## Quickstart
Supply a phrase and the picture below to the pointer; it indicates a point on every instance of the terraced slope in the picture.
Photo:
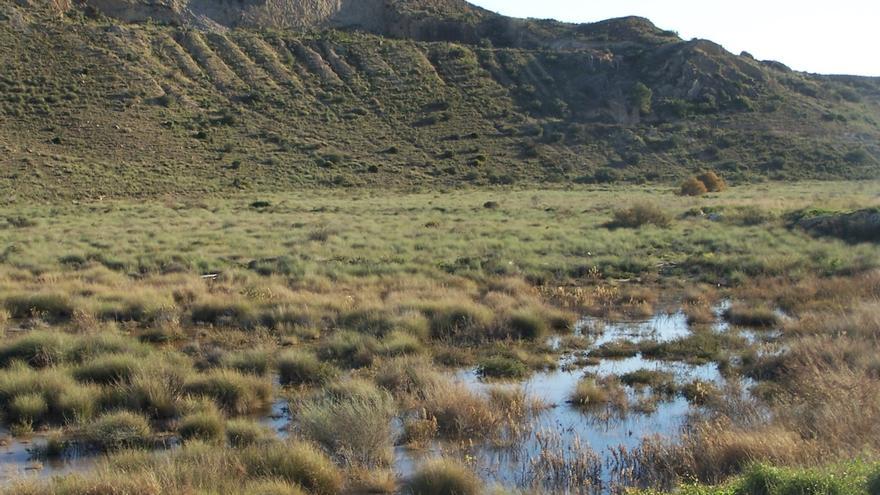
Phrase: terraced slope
(93, 107)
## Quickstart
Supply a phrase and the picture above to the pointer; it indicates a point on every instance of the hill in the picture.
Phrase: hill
(140, 98)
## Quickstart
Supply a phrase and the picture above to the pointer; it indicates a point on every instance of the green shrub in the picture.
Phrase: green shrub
(874, 482)
(641, 98)
(639, 215)
(444, 477)
(766, 480)
(117, 430)
(206, 426)
(303, 368)
(298, 462)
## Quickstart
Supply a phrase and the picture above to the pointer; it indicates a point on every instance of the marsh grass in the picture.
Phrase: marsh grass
(352, 421)
(443, 477)
(117, 431)
(204, 426)
(660, 382)
(460, 413)
(350, 349)
(233, 392)
(618, 349)
(593, 393)
(37, 349)
(502, 367)
(297, 367)
(640, 215)
(756, 316)
(243, 433)
(255, 362)
(385, 297)
(297, 462)
(107, 369)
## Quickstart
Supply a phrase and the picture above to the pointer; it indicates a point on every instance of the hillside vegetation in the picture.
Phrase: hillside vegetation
(217, 100)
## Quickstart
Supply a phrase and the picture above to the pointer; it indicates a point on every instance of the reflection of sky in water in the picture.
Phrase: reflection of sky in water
(601, 432)
(16, 461)
(662, 328)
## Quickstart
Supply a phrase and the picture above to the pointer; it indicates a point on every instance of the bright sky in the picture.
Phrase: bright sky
(837, 37)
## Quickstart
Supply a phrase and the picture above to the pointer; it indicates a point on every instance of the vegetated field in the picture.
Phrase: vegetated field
(376, 341)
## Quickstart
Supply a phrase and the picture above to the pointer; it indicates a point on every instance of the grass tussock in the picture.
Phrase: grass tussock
(502, 367)
(47, 306)
(444, 477)
(640, 215)
(117, 431)
(205, 426)
(243, 433)
(351, 420)
(234, 392)
(752, 316)
(303, 368)
(298, 463)
(107, 369)
(592, 393)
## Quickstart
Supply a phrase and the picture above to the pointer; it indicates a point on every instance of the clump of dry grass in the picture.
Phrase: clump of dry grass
(407, 378)
(353, 421)
(606, 392)
(419, 430)
(561, 465)
(443, 477)
(756, 316)
(460, 412)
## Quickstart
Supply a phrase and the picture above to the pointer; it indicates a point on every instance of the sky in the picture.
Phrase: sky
(839, 37)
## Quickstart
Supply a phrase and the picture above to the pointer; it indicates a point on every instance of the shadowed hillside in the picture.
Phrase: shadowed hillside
(101, 98)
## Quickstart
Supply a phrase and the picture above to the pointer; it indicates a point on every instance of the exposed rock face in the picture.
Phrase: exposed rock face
(369, 15)
(166, 11)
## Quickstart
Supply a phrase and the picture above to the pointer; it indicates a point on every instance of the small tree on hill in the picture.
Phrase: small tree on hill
(642, 98)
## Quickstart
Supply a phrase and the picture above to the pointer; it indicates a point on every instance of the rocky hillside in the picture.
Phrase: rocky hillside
(146, 97)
